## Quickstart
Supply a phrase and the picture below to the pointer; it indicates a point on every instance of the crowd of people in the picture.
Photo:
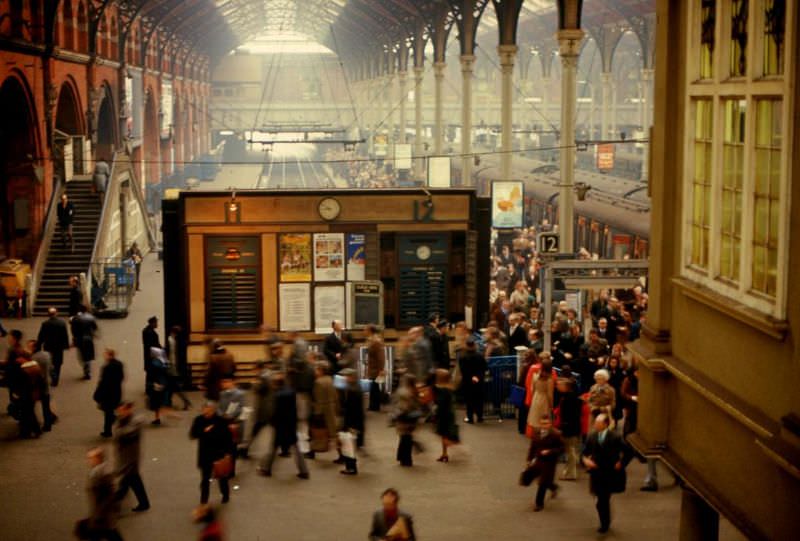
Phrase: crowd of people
(358, 171)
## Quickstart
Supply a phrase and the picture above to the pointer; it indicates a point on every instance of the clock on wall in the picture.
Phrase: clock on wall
(329, 208)
(423, 252)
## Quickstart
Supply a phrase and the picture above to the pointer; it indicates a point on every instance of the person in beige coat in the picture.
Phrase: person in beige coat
(542, 387)
(324, 402)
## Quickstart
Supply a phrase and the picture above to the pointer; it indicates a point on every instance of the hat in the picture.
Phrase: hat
(152, 319)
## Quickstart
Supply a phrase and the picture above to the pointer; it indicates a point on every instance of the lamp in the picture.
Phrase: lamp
(233, 210)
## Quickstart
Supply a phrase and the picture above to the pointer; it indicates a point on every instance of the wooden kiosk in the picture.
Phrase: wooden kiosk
(237, 262)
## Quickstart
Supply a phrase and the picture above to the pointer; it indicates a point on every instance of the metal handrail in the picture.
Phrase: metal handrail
(44, 246)
(142, 205)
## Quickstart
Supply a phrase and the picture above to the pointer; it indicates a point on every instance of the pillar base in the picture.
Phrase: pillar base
(699, 521)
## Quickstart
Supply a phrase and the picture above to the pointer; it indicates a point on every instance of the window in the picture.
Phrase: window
(701, 183)
(737, 173)
(732, 175)
(766, 195)
(707, 21)
(738, 38)
(774, 21)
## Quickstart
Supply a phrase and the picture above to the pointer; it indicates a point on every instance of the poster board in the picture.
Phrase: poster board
(328, 305)
(365, 304)
(329, 264)
(507, 203)
(356, 256)
(439, 171)
(380, 145)
(294, 255)
(402, 156)
(295, 307)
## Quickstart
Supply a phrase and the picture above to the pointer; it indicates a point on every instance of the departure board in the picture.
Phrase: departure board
(423, 291)
(232, 282)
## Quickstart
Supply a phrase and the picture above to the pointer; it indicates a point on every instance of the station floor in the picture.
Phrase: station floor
(474, 497)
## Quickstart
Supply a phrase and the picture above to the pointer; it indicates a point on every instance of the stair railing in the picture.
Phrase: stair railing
(48, 231)
(102, 228)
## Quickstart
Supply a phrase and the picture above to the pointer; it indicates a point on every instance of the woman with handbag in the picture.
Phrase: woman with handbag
(213, 450)
(446, 426)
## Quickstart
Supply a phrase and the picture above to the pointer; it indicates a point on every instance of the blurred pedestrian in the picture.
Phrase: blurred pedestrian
(351, 435)
(150, 339)
(212, 527)
(446, 426)
(103, 509)
(406, 412)
(390, 523)
(569, 411)
(156, 383)
(542, 391)
(66, 215)
(324, 405)
(84, 327)
(75, 296)
(285, 423)
(473, 379)
(220, 365)
(108, 393)
(128, 443)
(376, 359)
(545, 449)
(54, 339)
(603, 457)
(45, 363)
(176, 371)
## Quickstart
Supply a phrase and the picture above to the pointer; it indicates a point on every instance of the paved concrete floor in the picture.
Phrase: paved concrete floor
(475, 496)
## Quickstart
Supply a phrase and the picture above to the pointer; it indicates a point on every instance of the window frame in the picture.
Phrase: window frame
(754, 86)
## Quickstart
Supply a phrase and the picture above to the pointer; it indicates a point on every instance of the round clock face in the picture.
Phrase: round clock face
(423, 252)
(329, 208)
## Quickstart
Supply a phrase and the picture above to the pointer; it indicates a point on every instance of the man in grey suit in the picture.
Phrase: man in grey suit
(390, 523)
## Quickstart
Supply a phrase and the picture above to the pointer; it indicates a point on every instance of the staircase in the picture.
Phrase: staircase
(62, 262)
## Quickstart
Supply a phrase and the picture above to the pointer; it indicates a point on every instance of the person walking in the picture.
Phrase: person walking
(54, 339)
(156, 383)
(390, 523)
(100, 177)
(542, 390)
(75, 296)
(220, 365)
(30, 386)
(406, 413)
(214, 442)
(150, 340)
(473, 380)
(212, 527)
(446, 426)
(545, 449)
(103, 509)
(264, 405)
(285, 423)
(84, 327)
(128, 444)
(570, 409)
(108, 393)
(45, 363)
(324, 405)
(176, 369)
(333, 348)
(376, 360)
(352, 401)
(66, 215)
(603, 457)
(135, 255)
(231, 408)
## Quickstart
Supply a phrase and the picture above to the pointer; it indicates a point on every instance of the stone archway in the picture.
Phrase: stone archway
(68, 151)
(106, 127)
(20, 180)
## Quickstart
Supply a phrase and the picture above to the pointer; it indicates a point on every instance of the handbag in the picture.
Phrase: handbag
(347, 442)
(223, 468)
(318, 432)
(517, 396)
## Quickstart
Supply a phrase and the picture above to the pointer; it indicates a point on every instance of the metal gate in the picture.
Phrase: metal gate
(500, 376)
(113, 282)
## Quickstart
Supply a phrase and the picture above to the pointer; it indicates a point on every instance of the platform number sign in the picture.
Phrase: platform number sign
(548, 243)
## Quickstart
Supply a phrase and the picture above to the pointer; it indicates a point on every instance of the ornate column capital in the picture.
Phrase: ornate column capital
(569, 42)
(467, 62)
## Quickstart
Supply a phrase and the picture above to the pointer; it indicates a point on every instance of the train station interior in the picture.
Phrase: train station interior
(499, 262)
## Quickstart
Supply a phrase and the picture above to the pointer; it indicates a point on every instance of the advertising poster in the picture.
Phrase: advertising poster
(507, 204)
(295, 307)
(328, 305)
(295, 257)
(402, 156)
(329, 257)
(356, 257)
(605, 156)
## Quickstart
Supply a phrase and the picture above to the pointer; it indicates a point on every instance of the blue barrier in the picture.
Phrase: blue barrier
(500, 376)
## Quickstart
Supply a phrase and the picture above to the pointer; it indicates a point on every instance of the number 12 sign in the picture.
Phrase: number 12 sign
(548, 243)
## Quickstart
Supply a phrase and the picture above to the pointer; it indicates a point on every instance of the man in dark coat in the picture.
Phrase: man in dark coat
(390, 520)
(84, 327)
(440, 345)
(103, 508)
(473, 375)
(150, 339)
(333, 347)
(66, 215)
(221, 365)
(517, 336)
(603, 457)
(75, 296)
(128, 442)
(54, 339)
(570, 408)
(214, 442)
(546, 446)
(284, 419)
(109, 390)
